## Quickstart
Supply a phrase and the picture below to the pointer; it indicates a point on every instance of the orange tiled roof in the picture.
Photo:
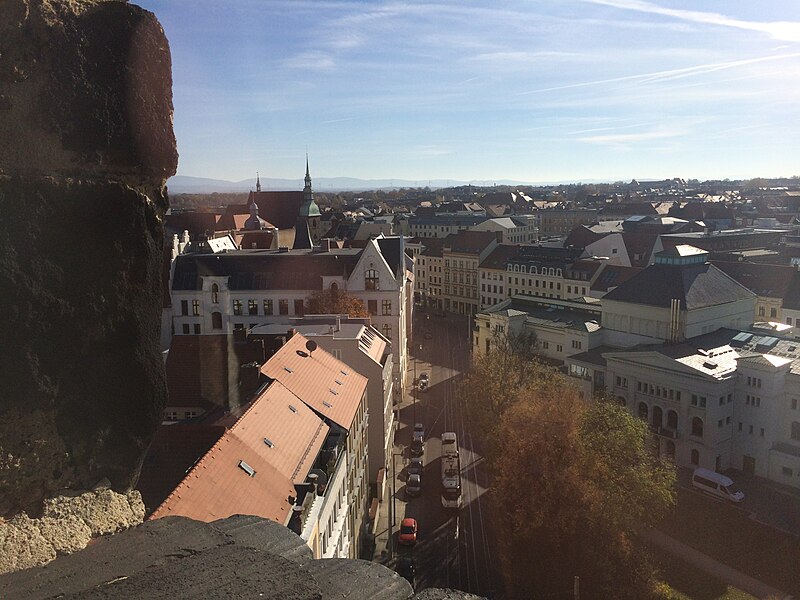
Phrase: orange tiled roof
(323, 382)
(279, 445)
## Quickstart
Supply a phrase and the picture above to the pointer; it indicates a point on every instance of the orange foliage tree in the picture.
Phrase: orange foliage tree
(335, 302)
(572, 482)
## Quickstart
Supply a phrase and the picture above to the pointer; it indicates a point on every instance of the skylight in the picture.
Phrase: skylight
(288, 370)
(293, 408)
(268, 442)
(247, 468)
(327, 404)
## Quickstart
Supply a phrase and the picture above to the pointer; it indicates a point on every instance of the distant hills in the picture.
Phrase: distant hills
(182, 184)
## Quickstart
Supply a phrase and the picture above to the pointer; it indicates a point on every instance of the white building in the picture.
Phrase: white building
(514, 230)
(214, 293)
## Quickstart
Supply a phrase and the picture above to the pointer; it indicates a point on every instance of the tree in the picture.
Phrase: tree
(572, 481)
(335, 302)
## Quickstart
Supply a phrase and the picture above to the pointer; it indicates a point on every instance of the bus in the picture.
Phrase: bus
(451, 471)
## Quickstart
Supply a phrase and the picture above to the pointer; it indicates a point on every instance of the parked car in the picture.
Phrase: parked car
(407, 569)
(414, 485)
(417, 447)
(423, 386)
(423, 377)
(419, 429)
(408, 532)
(415, 466)
(716, 484)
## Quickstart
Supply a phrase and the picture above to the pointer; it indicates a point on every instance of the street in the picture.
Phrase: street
(454, 548)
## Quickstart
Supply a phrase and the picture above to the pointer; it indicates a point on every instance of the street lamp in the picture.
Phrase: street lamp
(393, 508)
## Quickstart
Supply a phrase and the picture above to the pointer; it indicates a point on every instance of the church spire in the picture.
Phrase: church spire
(258, 180)
(308, 177)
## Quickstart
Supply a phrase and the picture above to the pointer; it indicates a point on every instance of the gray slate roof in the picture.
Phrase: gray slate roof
(696, 286)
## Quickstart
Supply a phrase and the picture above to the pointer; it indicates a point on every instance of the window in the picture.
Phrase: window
(761, 433)
(386, 330)
(795, 430)
(170, 415)
(559, 348)
(721, 400)
(576, 344)
(216, 320)
(196, 308)
(252, 307)
(372, 307)
(283, 307)
(750, 430)
(762, 311)
(787, 471)
(727, 420)
(237, 307)
(215, 294)
(371, 281)
(185, 328)
(643, 411)
(740, 425)
(695, 457)
(794, 403)
(185, 308)
(773, 313)
(672, 420)
(267, 307)
(545, 345)
(197, 328)
(720, 423)
(386, 307)
(694, 399)
(788, 320)
(697, 426)
(702, 401)
(299, 309)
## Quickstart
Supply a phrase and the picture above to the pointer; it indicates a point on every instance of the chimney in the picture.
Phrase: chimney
(249, 376)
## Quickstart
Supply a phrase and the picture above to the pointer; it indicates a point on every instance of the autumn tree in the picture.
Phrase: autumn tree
(572, 482)
(335, 302)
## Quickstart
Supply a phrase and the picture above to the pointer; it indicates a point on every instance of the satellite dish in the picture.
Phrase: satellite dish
(311, 345)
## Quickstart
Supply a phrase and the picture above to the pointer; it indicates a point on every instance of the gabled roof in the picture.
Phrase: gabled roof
(393, 249)
(431, 246)
(173, 451)
(774, 281)
(499, 257)
(252, 469)
(696, 286)
(279, 208)
(324, 383)
(613, 276)
(469, 242)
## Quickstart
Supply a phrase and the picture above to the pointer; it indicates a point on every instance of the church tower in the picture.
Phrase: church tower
(309, 211)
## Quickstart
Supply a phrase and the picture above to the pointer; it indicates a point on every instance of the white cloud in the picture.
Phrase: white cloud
(788, 31)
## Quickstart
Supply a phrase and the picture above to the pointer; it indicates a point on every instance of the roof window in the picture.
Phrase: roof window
(268, 442)
(247, 468)
(327, 404)
(293, 408)
(288, 370)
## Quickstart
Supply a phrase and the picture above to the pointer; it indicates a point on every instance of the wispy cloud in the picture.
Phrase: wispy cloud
(788, 31)
(314, 61)
(657, 76)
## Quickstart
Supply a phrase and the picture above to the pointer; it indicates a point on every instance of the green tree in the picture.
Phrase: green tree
(334, 302)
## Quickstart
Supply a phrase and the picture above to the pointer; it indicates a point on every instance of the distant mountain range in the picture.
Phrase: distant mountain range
(182, 184)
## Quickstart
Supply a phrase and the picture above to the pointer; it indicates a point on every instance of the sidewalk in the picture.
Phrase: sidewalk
(384, 530)
(713, 567)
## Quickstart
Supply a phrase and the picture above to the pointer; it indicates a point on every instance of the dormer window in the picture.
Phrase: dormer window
(371, 281)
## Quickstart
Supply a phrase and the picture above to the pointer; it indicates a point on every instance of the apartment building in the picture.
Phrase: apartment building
(440, 226)
(558, 222)
(514, 230)
(296, 455)
(429, 273)
(461, 254)
(238, 290)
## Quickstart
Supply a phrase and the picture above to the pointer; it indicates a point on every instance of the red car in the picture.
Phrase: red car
(408, 532)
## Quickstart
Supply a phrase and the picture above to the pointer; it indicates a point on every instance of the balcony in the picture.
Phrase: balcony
(665, 432)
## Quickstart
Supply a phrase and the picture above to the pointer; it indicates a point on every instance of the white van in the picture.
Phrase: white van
(716, 484)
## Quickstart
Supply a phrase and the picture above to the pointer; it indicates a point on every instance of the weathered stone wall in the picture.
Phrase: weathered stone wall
(86, 145)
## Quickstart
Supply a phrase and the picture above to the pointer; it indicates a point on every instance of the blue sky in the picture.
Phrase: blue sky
(533, 91)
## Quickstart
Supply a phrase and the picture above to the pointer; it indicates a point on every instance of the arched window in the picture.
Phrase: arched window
(386, 330)
(672, 420)
(371, 281)
(697, 426)
(215, 294)
(658, 416)
(533, 271)
(670, 450)
(621, 400)
(643, 410)
(334, 288)
(216, 320)
(796, 430)
(695, 457)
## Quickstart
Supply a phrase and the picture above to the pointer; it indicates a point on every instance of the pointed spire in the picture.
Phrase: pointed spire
(258, 182)
(308, 177)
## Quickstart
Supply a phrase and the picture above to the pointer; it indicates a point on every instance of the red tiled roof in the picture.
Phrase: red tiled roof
(324, 383)
(279, 208)
(175, 448)
(196, 223)
(278, 438)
